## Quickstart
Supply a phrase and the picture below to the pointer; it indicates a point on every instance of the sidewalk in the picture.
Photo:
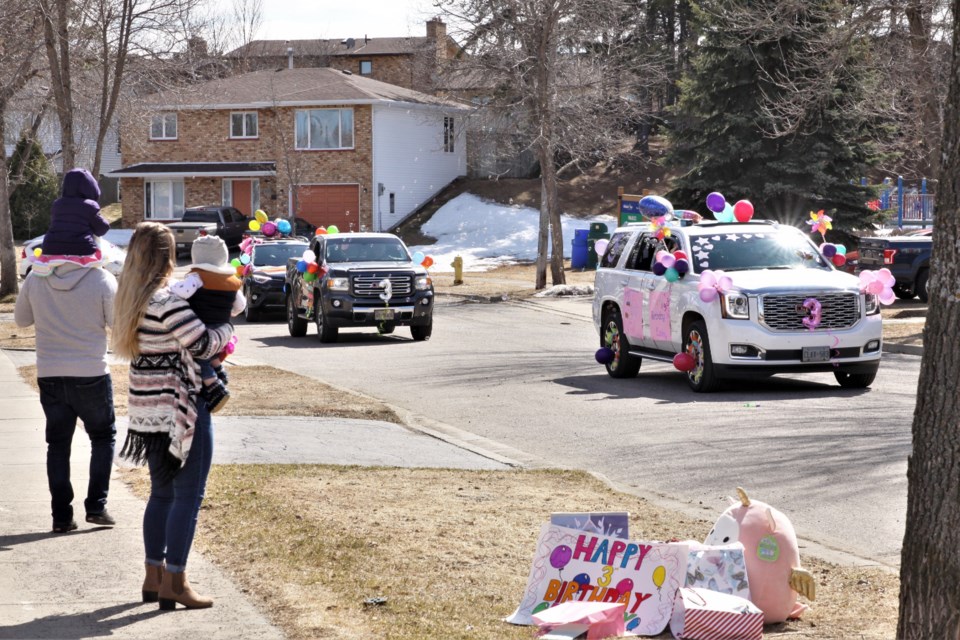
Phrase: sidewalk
(87, 583)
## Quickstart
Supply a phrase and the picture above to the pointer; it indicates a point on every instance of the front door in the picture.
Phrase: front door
(243, 195)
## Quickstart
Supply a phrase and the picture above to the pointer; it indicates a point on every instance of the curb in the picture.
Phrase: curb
(907, 349)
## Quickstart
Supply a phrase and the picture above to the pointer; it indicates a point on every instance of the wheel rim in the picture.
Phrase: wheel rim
(290, 314)
(695, 351)
(611, 339)
(318, 318)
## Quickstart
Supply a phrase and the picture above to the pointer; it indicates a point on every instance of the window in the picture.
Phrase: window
(164, 127)
(324, 129)
(642, 255)
(162, 199)
(243, 124)
(448, 136)
(366, 67)
(615, 249)
(393, 203)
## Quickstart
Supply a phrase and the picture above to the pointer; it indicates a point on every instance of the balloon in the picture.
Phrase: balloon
(37, 252)
(309, 277)
(708, 294)
(684, 362)
(671, 275)
(828, 250)
(633, 624)
(842, 250)
(886, 277)
(583, 580)
(655, 206)
(623, 586)
(682, 266)
(876, 288)
(244, 258)
(743, 211)
(313, 267)
(667, 260)
(235, 263)
(333, 229)
(321, 231)
(727, 214)
(309, 256)
(659, 575)
(600, 246)
(839, 259)
(301, 265)
(888, 296)
(247, 270)
(283, 226)
(680, 255)
(543, 606)
(260, 216)
(560, 556)
(658, 256)
(254, 225)
(427, 262)
(716, 202)
(418, 257)
(604, 355)
(659, 269)
(268, 228)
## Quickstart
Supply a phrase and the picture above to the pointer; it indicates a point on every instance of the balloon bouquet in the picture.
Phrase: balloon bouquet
(261, 222)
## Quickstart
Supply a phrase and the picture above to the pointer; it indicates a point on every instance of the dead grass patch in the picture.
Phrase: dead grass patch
(449, 549)
(512, 281)
(14, 337)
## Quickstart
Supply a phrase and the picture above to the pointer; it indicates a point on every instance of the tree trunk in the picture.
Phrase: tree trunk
(543, 155)
(56, 39)
(930, 563)
(551, 202)
(8, 256)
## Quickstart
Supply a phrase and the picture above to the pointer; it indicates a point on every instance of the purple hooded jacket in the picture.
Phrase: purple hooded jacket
(75, 217)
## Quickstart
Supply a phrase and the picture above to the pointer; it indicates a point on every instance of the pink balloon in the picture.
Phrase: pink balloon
(888, 296)
(708, 294)
(886, 277)
(866, 277)
(627, 584)
(875, 287)
(724, 284)
(667, 260)
(659, 255)
(708, 278)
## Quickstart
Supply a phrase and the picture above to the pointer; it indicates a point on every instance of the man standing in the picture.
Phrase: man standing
(72, 306)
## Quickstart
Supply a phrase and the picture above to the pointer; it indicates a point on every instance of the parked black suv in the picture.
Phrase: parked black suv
(359, 280)
(263, 286)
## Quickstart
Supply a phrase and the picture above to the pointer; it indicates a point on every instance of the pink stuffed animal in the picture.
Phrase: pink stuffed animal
(771, 554)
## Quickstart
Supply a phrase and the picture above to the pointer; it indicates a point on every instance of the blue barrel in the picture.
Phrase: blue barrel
(578, 258)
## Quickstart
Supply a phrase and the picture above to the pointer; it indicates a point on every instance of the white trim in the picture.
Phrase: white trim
(250, 106)
(244, 125)
(194, 174)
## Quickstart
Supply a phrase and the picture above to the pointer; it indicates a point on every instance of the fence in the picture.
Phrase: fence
(914, 207)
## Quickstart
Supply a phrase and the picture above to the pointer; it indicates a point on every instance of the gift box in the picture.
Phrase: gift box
(600, 619)
(701, 614)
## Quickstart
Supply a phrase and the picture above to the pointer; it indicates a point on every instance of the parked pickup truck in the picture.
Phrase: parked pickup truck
(907, 257)
(359, 280)
(223, 221)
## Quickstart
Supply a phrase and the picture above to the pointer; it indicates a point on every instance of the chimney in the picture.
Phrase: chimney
(289, 57)
(437, 31)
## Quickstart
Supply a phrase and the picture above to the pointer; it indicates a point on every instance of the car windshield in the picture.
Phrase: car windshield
(276, 255)
(348, 249)
(767, 248)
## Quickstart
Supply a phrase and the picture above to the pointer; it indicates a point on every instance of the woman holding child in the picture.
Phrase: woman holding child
(169, 422)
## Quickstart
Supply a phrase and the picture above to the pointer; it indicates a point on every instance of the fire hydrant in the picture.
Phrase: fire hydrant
(457, 265)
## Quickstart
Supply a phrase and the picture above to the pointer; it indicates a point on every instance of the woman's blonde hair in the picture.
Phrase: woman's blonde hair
(151, 257)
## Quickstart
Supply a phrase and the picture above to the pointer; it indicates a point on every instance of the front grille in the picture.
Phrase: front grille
(786, 312)
(369, 286)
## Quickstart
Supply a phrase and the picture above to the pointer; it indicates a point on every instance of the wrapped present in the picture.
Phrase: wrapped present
(701, 614)
(600, 619)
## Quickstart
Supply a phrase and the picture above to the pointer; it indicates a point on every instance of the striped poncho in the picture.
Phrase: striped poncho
(165, 380)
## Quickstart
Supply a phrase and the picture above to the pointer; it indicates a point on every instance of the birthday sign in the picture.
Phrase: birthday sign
(572, 565)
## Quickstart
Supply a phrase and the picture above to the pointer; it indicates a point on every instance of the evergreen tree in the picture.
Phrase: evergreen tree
(721, 132)
(36, 189)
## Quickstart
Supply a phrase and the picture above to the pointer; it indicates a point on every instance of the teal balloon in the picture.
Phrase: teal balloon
(842, 250)
(418, 257)
(244, 258)
(727, 214)
(671, 275)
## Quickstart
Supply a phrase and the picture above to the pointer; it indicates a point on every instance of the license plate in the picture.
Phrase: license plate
(383, 314)
(816, 354)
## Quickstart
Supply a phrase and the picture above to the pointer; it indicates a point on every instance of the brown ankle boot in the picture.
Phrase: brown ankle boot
(174, 588)
(151, 583)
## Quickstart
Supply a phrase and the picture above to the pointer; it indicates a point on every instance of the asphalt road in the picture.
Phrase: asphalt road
(523, 374)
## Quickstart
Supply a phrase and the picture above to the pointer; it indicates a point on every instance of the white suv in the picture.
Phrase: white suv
(756, 327)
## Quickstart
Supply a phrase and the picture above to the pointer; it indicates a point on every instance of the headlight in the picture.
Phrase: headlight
(338, 284)
(423, 283)
(261, 278)
(735, 306)
(872, 304)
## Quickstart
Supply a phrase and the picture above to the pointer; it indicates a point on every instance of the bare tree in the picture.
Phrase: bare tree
(930, 565)
(553, 67)
(56, 16)
(18, 64)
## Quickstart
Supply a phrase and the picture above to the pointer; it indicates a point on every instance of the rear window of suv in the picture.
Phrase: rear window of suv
(767, 248)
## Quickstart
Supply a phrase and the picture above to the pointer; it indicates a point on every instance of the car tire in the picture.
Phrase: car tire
(903, 293)
(422, 332)
(703, 377)
(249, 313)
(854, 380)
(920, 286)
(296, 325)
(325, 332)
(623, 365)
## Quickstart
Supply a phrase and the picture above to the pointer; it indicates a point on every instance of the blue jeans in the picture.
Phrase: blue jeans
(206, 370)
(65, 399)
(170, 518)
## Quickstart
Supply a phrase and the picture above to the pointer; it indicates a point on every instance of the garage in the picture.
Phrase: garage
(330, 204)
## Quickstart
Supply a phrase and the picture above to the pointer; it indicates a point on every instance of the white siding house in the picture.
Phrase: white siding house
(417, 151)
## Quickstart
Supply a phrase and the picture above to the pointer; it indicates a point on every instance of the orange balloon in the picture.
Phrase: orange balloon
(321, 231)
(312, 267)
(427, 262)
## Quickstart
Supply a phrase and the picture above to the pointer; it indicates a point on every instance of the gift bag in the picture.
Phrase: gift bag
(601, 619)
(701, 614)
(717, 568)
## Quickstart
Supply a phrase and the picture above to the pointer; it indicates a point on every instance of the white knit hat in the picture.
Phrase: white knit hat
(209, 253)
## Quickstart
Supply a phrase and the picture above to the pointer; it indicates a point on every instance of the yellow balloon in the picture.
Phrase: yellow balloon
(659, 575)
(254, 225)
(37, 252)
(260, 215)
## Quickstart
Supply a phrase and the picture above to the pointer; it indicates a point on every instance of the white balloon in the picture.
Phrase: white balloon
(309, 255)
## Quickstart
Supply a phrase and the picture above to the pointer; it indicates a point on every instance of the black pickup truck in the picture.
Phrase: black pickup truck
(907, 257)
(227, 222)
(358, 280)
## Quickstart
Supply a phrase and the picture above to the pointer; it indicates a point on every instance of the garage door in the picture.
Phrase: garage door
(324, 205)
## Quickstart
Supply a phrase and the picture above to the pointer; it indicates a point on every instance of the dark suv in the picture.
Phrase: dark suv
(263, 286)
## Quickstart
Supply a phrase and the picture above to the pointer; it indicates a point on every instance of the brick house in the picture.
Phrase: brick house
(327, 146)
(412, 62)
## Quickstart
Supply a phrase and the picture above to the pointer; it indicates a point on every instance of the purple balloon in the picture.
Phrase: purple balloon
(659, 269)
(716, 202)
(604, 355)
(828, 250)
(561, 556)
(682, 266)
